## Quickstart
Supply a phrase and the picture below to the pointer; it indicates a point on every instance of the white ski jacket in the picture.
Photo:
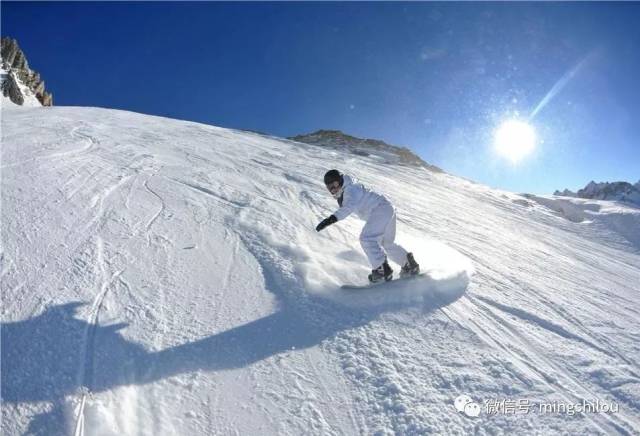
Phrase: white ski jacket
(358, 199)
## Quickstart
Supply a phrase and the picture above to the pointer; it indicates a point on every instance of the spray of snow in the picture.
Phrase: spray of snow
(446, 275)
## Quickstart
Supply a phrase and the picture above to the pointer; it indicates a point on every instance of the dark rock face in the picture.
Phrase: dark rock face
(336, 139)
(17, 67)
(11, 89)
(565, 193)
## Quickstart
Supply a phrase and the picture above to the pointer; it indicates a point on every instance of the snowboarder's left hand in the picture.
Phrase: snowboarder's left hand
(326, 222)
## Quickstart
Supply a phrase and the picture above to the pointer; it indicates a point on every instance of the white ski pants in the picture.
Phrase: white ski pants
(378, 235)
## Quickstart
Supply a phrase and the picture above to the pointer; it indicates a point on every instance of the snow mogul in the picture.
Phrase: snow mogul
(379, 232)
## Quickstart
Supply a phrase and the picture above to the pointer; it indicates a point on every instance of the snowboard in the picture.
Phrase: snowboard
(351, 287)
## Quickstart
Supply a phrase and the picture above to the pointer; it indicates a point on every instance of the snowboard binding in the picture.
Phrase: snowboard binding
(411, 268)
(383, 272)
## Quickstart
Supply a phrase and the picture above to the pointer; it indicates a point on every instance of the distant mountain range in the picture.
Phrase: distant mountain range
(616, 191)
(375, 148)
(19, 83)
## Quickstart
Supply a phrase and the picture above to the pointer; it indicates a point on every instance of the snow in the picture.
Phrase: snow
(164, 277)
(611, 220)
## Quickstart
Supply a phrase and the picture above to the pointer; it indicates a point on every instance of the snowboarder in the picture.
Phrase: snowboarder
(379, 232)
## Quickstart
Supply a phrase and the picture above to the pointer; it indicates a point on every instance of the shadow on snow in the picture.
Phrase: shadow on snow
(51, 356)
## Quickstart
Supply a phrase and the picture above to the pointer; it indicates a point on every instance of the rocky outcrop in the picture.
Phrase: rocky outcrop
(16, 71)
(565, 193)
(11, 89)
(338, 140)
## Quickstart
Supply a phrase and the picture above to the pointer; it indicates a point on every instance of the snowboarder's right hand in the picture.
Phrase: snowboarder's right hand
(326, 222)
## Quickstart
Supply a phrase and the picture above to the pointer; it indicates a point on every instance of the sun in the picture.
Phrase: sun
(514, 140)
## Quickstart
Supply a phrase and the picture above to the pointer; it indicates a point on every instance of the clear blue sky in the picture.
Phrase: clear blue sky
(435, 77)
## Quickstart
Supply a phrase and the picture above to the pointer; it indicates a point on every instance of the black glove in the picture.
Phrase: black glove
(326, 222)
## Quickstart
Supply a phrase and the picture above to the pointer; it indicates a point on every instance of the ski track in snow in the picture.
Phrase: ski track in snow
(164, 277)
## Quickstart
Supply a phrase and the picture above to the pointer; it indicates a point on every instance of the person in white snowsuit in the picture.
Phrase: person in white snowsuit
(379, 232)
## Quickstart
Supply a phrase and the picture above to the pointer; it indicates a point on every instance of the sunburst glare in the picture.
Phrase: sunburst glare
(514, 140)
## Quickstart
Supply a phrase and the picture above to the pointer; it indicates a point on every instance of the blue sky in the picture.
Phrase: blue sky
(438, 78)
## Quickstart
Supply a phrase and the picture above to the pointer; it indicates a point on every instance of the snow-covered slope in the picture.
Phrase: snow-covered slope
(164, 277)
(618, 221)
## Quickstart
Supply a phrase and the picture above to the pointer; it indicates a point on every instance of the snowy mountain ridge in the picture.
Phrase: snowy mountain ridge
(20, 85)
(375, 148)
(164, 277)
(615, 191)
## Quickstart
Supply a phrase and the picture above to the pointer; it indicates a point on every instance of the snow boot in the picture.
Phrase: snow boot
(383, 272)
(411, 268)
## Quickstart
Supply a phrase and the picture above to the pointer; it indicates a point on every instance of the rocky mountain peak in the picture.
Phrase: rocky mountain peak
(20, 83)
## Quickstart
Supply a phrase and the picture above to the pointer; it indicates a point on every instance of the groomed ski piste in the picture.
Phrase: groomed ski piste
(163, 277)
